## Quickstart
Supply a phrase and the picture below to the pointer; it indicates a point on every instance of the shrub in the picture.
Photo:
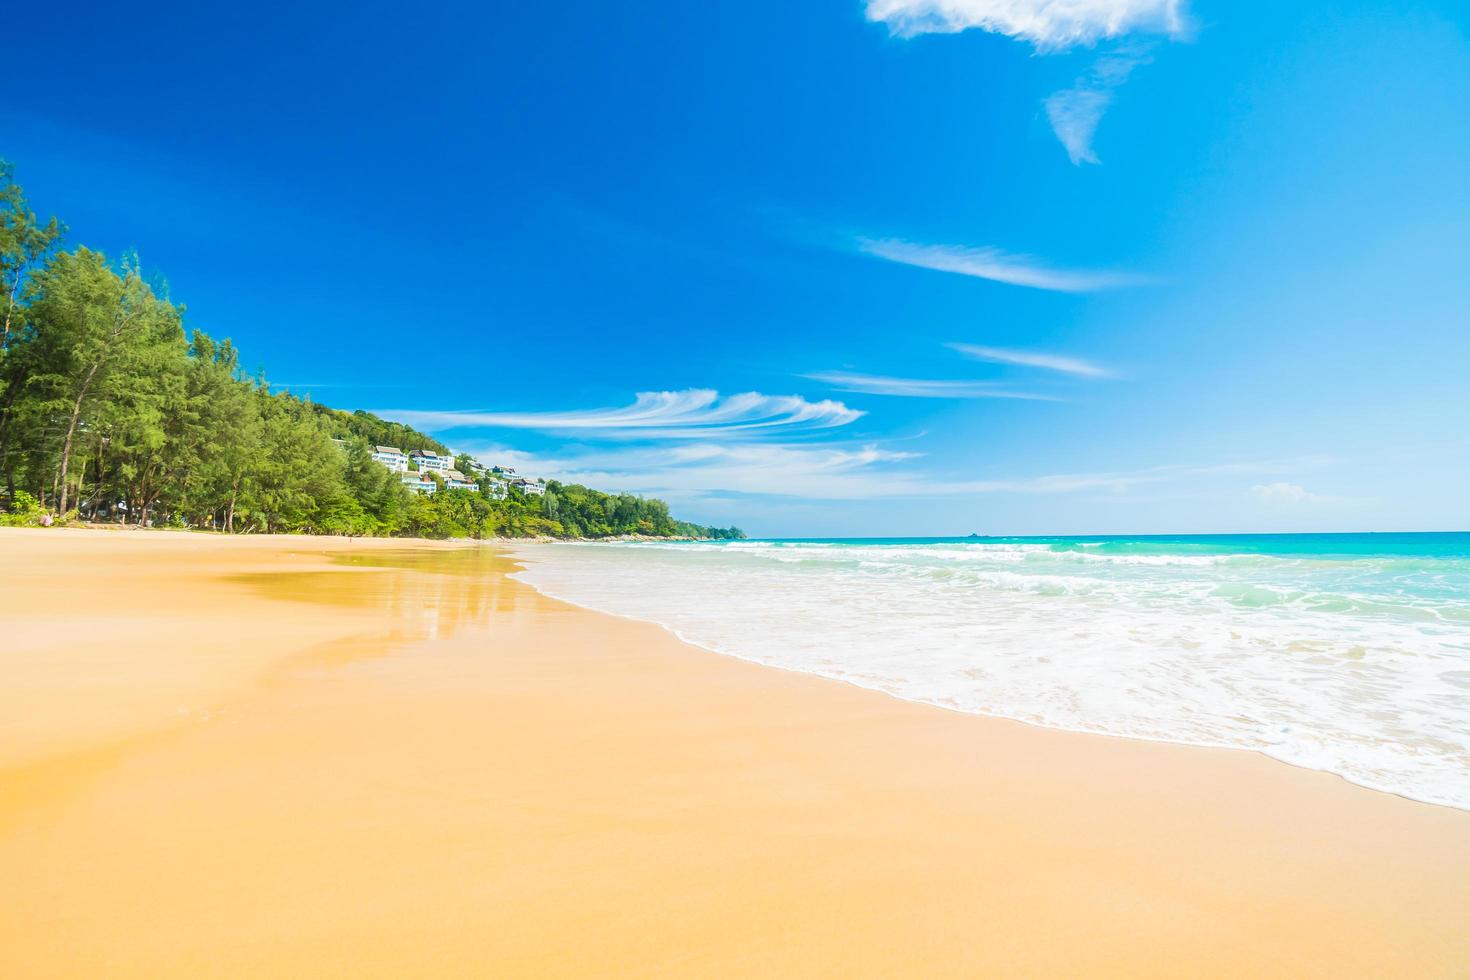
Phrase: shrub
(24, 512)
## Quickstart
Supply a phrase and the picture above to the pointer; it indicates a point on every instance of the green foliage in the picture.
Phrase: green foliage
(375, 431)
(24, 511)
(586, 513)
(24, 243)
(110, 410)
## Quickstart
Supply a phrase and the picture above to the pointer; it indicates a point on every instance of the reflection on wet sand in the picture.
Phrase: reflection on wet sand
(425, 596)
(166, 631)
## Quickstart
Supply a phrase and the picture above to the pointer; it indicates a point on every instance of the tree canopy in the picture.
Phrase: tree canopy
(110, 410)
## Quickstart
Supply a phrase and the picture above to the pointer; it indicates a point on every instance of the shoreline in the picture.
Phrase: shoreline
(1040, 725)
(1304, 655)
(546, 789)
(209, 532)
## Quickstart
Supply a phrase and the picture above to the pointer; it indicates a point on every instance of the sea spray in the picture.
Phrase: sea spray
(1346, 653)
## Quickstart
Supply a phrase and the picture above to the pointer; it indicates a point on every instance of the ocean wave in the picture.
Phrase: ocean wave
(1351, 665)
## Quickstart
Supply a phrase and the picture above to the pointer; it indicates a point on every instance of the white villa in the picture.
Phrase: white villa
(534, 487)
(391, 457)
(418, 482)
(497, 480)
(455, 479)
(429, 460)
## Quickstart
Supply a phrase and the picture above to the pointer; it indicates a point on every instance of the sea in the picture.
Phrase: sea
(1348, 653)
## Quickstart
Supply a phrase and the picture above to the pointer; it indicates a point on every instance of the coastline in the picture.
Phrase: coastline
(858, 684)
(384, 538)
(898, 617)
(392, 758)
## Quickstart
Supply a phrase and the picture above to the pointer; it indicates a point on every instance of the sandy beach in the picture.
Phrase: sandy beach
(289, 756)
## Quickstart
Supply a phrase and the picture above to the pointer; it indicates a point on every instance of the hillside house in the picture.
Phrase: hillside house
(418, 482)
(428, 460)
(454, 479)
(535, 488)
(391, 457)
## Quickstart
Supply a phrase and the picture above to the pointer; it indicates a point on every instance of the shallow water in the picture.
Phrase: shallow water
(1346, 653)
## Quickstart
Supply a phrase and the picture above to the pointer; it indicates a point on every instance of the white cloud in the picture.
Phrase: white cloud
(995, 265)
(1284, 493)
(1046, 24)
(1052, 25)
(816, 471)
(724, 446)
(871, 384)
(692, 413)
(1075, 112)
(822, 471)
(1051, 362)
(1271, 467)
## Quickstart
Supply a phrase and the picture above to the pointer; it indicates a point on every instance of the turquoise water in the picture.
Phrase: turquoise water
(1417, 544)
(1343, 652)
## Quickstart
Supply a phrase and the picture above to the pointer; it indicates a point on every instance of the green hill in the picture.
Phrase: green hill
(111, 411)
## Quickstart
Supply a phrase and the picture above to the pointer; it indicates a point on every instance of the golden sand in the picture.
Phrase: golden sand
(298, 757)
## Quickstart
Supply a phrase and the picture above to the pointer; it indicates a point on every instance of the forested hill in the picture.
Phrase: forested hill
(111, 411)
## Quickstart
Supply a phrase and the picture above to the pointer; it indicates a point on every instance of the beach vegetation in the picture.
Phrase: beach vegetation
(113, 411)
(25, 511)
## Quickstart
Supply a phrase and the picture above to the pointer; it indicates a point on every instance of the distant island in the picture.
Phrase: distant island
(111, 412)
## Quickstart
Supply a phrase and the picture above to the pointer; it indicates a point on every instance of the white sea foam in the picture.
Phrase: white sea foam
(1355, 666)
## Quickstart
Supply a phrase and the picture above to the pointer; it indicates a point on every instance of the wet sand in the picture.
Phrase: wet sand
(310, 757)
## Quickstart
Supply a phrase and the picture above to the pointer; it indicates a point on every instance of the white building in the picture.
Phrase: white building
(428, 460)
(391, 457)
(418, 482)
(534, 487)
(454, 479)
(495, 488)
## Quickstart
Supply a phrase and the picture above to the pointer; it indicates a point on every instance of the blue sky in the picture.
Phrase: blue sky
(835, 267)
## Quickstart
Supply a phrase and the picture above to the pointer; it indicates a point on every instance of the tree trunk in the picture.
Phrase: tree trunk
(71, 431)
(230, 512)
(101, 471)
(81, 482)
(66, 456)
(9, 310)
(146, 494)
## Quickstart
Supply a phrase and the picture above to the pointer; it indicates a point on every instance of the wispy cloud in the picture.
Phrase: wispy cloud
(1271, 467)
(816, 471)
(872, 384)
(1049, 25)
(995, 265)
(830, 471)
(827, 471)
(693, 413)
(1284, 493)
(1075, 112)
(1024, 358)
